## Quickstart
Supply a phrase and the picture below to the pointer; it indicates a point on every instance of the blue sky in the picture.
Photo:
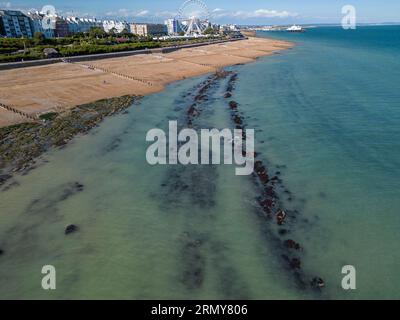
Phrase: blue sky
(224, 11)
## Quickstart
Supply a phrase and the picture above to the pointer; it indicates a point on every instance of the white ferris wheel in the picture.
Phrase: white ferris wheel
(193, 17)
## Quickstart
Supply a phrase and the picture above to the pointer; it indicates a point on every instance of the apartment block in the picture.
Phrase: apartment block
(147, 29)
(15, 24)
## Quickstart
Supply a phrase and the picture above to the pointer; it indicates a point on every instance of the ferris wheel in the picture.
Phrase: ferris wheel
(193, 17)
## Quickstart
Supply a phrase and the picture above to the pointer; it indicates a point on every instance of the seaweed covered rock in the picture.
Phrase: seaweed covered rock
(79, 186)
(317, 283)
(237, 119)
(261, 172)
(233, 105)
(21, 144)
(283, 232)
(295, 263)
(192, 111)
(71, 229)
(280, 217)
(4, 178)
(291, 244)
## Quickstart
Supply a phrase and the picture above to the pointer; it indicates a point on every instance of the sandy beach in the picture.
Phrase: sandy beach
(58, 87)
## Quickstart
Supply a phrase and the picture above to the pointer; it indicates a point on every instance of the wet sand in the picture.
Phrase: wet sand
(59, 87)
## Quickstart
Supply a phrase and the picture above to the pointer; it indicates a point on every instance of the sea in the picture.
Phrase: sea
(326, 116)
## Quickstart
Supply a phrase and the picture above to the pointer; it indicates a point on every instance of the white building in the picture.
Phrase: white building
(76, 25)
(173, 26)
(118, 26)
(228, 27)
(148, 29)
(233, 27)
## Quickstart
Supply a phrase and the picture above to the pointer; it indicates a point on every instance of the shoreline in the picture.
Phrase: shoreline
(34, 91)
(270, 209)
(22, 142)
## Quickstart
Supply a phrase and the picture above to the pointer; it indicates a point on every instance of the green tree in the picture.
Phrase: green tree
(39, 38)
(113, 32)
(209, 30)
(96, 32)
(125, 33)
(78, 35)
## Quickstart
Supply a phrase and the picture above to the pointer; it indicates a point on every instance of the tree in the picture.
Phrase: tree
(125, 33)
(209, 30)
(96, 32)
(113, 32)
(39, 38)
(181, 33)
(78, 35)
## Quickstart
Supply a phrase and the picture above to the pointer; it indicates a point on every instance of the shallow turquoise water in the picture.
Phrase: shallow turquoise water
(331, 113)
(325, 113)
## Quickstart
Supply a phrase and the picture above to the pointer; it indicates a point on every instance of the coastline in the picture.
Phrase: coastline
(34, 91)
(22, 144)
(23, 139)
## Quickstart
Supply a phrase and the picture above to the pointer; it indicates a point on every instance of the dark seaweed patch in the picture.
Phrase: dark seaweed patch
(21, 144)
(4, 178)
(194, 183)
(49, 203)
(10, 185)
(193, 262)
(197, 183)
(322, 195)
(113, 145)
